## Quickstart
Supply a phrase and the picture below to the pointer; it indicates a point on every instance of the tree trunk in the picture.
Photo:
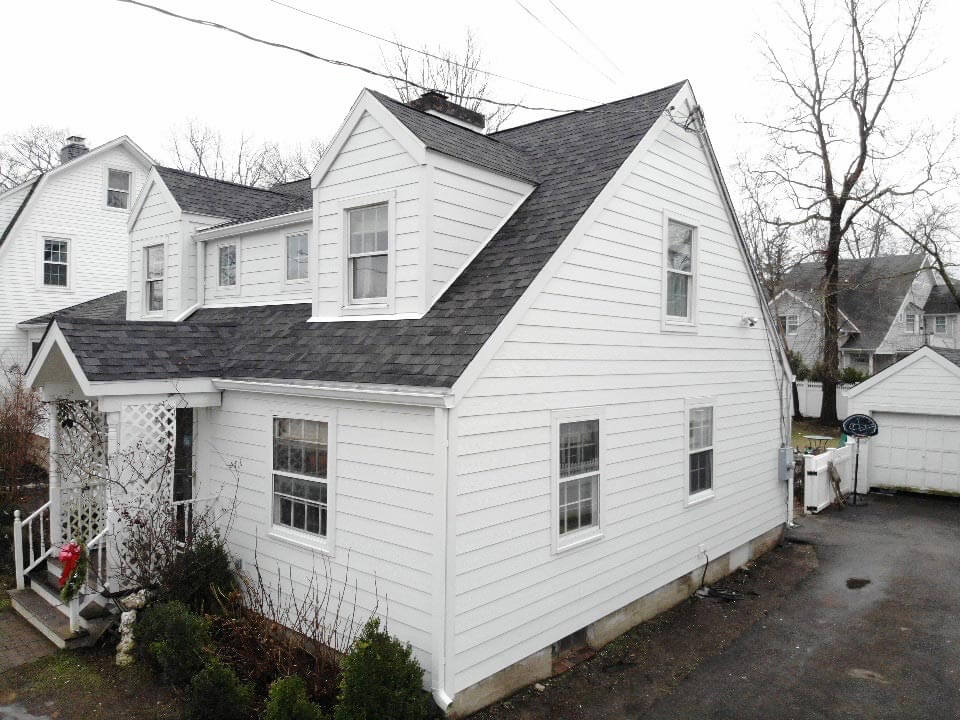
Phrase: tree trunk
(796, 402)
(831, 331)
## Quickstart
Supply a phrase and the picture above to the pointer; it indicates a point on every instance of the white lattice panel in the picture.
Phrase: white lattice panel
(147, 435)
(82, 469)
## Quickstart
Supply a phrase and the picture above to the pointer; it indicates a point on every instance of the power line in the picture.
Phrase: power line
(587, 37)
(563, 40)
(426, 52)
(333, 61)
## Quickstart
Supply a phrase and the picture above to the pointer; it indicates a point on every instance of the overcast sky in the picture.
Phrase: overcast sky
(100, 68)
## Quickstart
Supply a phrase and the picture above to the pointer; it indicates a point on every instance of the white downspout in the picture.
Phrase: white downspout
(443, 623)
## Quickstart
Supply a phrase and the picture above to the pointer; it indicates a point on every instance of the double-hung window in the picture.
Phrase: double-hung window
(700, 451)
(56, 253)
(153, 290)
(680, 270)
(791, 324)
(910, 324)
(227, 266)
(298, 256)
(940, 325)
(300, 475)
(368, 253)
(118, 189)
(577, 477)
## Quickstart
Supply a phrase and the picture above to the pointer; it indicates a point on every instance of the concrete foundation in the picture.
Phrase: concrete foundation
(539, 665)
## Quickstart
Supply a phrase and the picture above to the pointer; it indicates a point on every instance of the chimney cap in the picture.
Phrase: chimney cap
(76, 140)
(435, 102)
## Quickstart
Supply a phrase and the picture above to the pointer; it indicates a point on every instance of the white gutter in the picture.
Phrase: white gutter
(361, 392)
(275, 221)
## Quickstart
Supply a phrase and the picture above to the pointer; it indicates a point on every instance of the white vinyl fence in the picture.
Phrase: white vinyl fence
(810, 396)
(818, 491)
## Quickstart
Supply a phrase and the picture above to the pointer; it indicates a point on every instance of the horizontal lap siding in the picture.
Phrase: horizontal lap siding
(385, 490)
(158, 223)
(262, 270)
(72, 205)
(371, 161)
(922, 387)
(592, 338)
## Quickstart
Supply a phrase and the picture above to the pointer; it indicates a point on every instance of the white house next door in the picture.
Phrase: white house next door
(916, 452)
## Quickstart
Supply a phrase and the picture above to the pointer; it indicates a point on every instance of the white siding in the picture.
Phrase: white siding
(593, 338)
(10, 204)
(808, 340)
(262, 269)
(72, 205)
(371, 161)
(898, 339)
(385, 495)
(922, 387)
(157, 223)
(468, 204)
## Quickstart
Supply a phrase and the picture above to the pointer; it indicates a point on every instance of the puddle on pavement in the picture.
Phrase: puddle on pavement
(857, 583)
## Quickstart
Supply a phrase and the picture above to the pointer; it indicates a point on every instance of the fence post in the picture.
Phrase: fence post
(75, 613)
(18, 548)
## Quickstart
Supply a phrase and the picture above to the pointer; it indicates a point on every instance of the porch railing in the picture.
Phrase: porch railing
(97, 570)
(37, 524)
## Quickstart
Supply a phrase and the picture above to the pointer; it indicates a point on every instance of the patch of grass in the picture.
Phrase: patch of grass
(62, 672)
(812, 427)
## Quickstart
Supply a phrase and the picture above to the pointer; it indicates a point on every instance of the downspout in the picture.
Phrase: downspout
(443, 564)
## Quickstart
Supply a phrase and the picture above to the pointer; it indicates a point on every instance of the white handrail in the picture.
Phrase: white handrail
(46, 544)
(32, 516)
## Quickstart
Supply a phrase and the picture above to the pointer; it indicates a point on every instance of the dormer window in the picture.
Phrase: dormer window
(368, 254)
(118, 189)
(227, 268)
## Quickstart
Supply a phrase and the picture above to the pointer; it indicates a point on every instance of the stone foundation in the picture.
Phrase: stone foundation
(539, 665)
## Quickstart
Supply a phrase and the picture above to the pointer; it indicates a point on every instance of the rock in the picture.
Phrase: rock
(136, 601)
(539, 687)
(124, 659)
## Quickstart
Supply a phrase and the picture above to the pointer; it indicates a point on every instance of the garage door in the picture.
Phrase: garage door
(917, 452)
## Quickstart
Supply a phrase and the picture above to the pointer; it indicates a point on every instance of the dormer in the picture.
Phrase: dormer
(404, 199)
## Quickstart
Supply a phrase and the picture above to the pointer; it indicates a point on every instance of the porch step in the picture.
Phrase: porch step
(47, 586)
(54, 624)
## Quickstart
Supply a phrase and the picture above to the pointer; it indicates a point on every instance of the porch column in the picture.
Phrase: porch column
(56, 522)
(113, 446)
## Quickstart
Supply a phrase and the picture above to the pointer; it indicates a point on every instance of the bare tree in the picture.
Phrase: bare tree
(199, 148)
(28, 153)
(837, 154)
(460, 76)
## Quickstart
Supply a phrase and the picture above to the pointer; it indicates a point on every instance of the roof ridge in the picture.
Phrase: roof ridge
(224, 182)
(593, 107)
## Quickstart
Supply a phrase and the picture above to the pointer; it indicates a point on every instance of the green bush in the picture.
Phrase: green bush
(173, 640)
(797, 366)
(852, 376)
(199, 573)
(381, 679)
(288, 701)
(216, 693)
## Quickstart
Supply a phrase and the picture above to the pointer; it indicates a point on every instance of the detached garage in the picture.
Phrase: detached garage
(916, 403)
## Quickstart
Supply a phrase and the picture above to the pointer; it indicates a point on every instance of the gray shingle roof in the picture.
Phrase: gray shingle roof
(19, 211)
(951, 355)
(201, 195)
(106, 307)
(871, 292)
(468, 145)
(575, 155)
(940, 301)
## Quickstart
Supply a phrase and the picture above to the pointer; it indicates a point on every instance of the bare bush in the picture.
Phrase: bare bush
(22, 452)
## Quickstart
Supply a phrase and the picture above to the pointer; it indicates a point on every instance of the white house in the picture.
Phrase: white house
(524, 384)
(63, 237)
(916, 403)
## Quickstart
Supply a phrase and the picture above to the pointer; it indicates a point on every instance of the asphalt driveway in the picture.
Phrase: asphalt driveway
(888, 648)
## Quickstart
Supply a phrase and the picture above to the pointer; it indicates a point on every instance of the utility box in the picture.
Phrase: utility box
(786, 464)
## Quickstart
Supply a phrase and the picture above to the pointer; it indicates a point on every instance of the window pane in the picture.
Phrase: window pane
(300, 446)
(155, 295)
(118, 180)
(578, 508)
(369, 277)
(300, 504)
(678, 295)
(55, 274)
(701, 471)
(368, 229)
(579, 447)
(679, 246)
(55, 251)
(228, 265)
(701, 428)
(297, 257)
(155, 261)
(940, 324)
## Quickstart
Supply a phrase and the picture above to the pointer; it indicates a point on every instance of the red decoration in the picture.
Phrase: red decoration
(69, 556)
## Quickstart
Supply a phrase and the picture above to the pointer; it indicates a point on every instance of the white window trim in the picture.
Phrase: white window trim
(223, 290)
(946, 324)
(299, 282)
(106, 188)
(292, 536)
(583, 536)
(375, 307)
(147, 312)
(914, 329)
(71, 265)
(689, 500)
(669, 323)
(796, 323)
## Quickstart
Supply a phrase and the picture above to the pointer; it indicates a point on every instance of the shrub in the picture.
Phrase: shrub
(852, 376)
(288, 701)
(797, 366)
(380, 673)
(216, 693)
(173, 640)
(198, 574)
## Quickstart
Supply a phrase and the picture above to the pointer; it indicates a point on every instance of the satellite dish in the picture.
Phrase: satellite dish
(860, 426)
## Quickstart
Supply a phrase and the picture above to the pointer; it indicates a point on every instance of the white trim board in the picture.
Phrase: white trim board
(911, 359)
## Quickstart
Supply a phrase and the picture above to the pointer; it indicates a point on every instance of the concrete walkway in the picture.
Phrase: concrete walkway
(20, 643)
(845, 648)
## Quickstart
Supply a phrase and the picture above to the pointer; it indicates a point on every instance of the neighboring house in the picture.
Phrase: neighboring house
(916, 403)
(941, 318)
(63, 237)
(517, 389)
(880, 302)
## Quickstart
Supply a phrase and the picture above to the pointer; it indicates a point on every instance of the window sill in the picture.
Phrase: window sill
(679, 326)
(366, 308)
(578, 540)
(304, 541)
(701, 497)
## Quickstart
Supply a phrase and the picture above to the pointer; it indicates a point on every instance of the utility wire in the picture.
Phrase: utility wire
(587, 37)
(563, 40)
(334, 61)
(426, 52)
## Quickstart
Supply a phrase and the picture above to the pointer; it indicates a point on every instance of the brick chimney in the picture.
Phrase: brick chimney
(434, 102)
(75, 147)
